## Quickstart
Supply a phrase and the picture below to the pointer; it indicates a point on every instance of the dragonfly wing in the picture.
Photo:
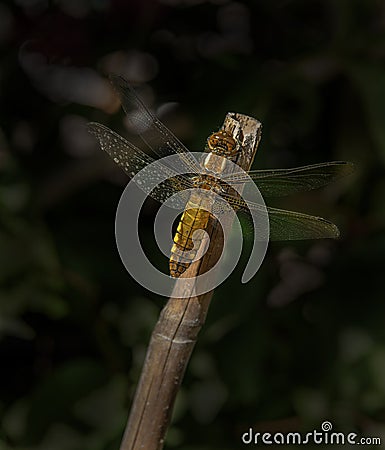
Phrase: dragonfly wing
(286, 225)
(291, 225)
(152, 131)
(125, 154)
(132, 160)
(281, 182)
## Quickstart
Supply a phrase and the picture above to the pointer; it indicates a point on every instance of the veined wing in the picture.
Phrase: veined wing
(281, 182)
(291, 225)
(287, 225)
(152, 131)
(131, 159)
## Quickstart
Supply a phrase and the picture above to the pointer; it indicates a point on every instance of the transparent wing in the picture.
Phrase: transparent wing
(291, 225)
(287, 225)
(152, 131)
(132, 160)
(281, 182)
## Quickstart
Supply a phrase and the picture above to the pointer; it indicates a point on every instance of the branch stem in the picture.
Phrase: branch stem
(180, 321)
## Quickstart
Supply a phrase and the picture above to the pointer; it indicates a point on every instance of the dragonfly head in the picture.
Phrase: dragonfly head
(222, 143)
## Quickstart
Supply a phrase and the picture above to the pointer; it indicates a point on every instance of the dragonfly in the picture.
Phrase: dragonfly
(206, 175)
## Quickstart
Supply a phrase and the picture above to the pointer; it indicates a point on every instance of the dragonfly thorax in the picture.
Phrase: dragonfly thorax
(207, 182)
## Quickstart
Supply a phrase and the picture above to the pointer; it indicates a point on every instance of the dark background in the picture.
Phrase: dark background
(304, 341)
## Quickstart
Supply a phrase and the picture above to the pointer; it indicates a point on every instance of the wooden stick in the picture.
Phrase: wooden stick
(180, 321)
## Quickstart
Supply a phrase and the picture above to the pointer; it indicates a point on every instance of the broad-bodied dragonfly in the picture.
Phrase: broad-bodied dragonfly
(284, 225)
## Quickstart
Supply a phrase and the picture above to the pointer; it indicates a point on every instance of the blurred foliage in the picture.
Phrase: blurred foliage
(305, 340)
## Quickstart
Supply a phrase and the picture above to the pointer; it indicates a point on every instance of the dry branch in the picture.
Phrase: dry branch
(180, 321)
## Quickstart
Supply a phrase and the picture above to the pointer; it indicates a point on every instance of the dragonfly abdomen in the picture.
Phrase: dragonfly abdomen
(183, 252)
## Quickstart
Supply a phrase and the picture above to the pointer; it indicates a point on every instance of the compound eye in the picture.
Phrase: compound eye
(223, 140)
(213, 141)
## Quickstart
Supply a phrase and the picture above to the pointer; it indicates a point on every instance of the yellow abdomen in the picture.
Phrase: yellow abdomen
(183, 252)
